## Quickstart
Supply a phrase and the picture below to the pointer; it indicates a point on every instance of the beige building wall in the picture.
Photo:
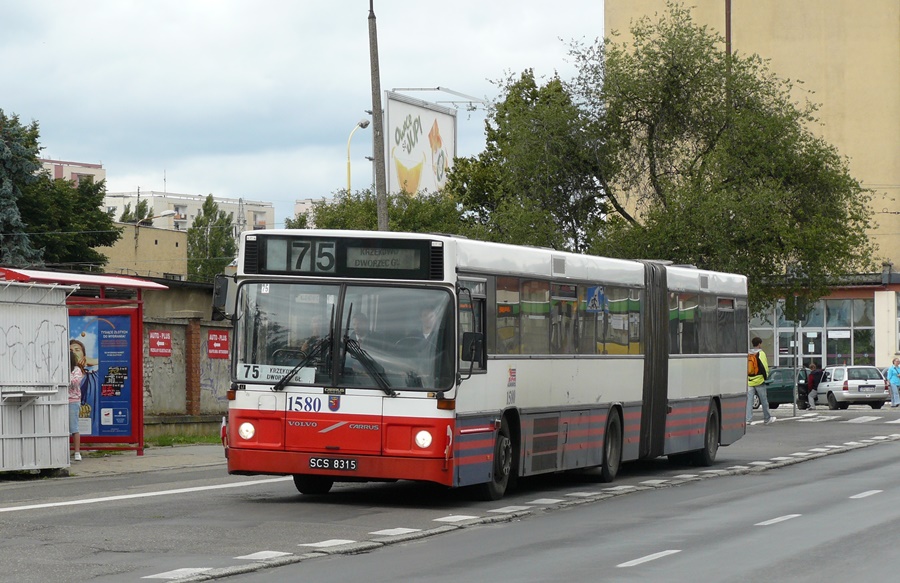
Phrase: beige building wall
(74, 171)
(847, 53)
(148, 252)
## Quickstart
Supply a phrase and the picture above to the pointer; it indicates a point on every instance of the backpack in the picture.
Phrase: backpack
(754, 366)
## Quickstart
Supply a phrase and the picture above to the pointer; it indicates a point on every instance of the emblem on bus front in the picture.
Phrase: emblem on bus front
(334, 402)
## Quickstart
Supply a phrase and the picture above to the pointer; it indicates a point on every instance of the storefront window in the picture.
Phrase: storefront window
(837, 313)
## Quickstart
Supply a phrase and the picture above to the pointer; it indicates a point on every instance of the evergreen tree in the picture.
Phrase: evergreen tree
(19, 166)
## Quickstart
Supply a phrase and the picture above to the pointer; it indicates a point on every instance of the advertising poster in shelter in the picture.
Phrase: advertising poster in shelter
(102, 346)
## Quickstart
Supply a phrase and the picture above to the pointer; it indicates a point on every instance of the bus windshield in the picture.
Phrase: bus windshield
(382, 337)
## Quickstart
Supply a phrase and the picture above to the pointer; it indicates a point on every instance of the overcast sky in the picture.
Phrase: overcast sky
(257, 99)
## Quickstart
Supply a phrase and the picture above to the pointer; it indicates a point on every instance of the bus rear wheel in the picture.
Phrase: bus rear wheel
(312, 485)
(495, 488)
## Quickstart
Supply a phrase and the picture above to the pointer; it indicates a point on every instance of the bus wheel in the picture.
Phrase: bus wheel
(503, 455)
(612, 448)
(312, 485)
(707, 456)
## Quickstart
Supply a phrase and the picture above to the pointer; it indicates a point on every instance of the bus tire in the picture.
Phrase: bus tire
(312, 485)
(612, 448)
(495, 488)
(707, 456)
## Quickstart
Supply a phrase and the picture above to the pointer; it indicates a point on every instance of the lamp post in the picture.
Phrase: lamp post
(137, 225)
(363, 123)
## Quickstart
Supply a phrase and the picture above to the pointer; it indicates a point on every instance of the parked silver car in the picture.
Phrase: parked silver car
(843, 386)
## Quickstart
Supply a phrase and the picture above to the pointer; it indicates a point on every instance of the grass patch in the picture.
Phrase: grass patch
(170, 440)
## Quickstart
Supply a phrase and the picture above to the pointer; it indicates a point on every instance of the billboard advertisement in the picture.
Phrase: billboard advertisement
(420, 144)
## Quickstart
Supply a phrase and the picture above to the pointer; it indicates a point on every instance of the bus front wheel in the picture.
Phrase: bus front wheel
(312, 485)
(495, 488)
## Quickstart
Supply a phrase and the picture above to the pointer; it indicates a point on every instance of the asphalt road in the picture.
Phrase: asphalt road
(202, 523)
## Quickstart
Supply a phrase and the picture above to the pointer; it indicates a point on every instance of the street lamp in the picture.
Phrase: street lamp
(363, 123)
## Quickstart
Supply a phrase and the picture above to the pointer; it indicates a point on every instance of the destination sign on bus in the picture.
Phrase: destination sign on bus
(343, 257)
(381, 258)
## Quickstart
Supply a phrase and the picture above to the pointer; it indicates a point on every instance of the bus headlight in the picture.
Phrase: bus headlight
(246, 431)
(423, 439)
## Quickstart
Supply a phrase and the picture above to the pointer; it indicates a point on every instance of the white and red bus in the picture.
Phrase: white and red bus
(370, 356)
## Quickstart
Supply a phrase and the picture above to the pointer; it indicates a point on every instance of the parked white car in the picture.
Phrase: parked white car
(843, 386)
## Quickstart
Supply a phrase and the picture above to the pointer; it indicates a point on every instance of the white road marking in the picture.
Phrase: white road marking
(179, 573)
(894, 421)
(760, 463)
(648, 558)
(801, 454)
(506, 509)
(619, 488)
(583, 494)
(781, 459)
(144, 495)
(264, 555)
(455, 518)
(395, 531)
(777, 520)
(852, 443)
(546, 501)
(863, 419)
(819, 449)
(654, 482)
(685, 476)
(865, 494)
(334, 542)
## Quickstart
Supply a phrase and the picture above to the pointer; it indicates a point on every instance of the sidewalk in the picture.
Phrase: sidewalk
(104, 463)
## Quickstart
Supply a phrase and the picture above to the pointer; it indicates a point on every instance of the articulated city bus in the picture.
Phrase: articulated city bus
(375, 356)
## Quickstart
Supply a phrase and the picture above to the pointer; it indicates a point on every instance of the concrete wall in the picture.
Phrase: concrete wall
(188, 382)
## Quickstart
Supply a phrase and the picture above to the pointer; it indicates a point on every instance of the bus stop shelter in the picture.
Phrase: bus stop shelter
(106, 333)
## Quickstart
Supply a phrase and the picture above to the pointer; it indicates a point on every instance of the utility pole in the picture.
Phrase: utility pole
(378, 124)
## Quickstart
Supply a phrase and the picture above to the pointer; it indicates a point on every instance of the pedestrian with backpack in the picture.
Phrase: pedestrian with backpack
(757, 372)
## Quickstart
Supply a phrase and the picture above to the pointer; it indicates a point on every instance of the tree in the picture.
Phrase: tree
(141, 214)
(299, 222)
(211, 244)
(422, 213)
(66, 221)
(19, 165)
(535, 182)
(707, 161)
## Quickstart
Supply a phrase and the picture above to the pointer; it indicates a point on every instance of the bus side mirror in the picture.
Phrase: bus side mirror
(473, 347)
(223, 297)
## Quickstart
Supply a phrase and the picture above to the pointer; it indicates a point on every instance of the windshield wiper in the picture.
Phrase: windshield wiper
(316, 350)
(373, 368)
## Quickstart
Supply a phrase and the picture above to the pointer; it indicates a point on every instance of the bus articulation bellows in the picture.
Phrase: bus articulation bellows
(367, 356)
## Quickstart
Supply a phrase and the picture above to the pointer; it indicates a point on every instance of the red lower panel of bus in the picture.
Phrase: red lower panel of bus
(363, 467)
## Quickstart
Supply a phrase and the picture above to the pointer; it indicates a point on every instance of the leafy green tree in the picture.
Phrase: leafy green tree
(19, 166)
(66, 221)
(535, 183)
(707, 160)
(422, 213)
(211, 243)
(298, 222)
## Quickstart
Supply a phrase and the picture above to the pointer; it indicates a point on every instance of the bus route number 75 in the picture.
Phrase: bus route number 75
(312, 256)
